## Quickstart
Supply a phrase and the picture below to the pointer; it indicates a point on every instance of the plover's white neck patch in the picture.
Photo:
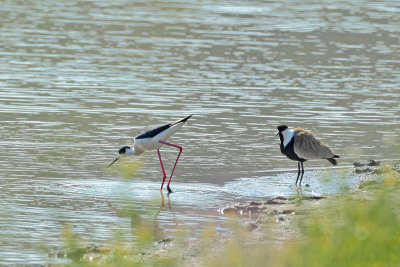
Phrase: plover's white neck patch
(287, 136)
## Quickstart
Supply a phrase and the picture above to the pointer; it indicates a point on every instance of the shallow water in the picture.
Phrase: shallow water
(79, 79)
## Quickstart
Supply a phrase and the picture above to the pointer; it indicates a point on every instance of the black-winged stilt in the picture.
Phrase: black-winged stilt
(301, 145)
(152, 138)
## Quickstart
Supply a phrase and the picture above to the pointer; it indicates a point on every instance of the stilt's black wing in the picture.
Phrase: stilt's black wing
(153, 130)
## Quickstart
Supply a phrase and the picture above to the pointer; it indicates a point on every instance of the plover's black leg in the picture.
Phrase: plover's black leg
(302, 173)
(298, 172)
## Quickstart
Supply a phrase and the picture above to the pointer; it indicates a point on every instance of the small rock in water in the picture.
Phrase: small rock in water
(285, 212)
(254, 208)
(243, 209)
(280, 219)
(369, 167)
(364, 170)
(276, 200)
(280, 198)
(372, 162)
(272, 202)
(313, 197)
(165, 241)
(357, 164)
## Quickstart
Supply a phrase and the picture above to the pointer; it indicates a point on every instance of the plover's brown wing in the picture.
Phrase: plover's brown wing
(306, 146)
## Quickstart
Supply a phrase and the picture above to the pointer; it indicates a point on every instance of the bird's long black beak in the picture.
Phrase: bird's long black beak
(277, 133)
(113, 162)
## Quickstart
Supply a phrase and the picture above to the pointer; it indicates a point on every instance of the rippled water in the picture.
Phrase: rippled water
(78, 79)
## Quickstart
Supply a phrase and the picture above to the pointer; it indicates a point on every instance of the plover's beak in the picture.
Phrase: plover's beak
(113, 162)
(277, 133)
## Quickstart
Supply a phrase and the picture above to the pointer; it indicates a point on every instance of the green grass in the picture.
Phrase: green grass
(356, 233)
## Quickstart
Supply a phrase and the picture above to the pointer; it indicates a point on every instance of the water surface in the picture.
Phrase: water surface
(79, 79)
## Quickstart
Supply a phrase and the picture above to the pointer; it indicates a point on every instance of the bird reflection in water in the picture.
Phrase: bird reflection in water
(157, 229)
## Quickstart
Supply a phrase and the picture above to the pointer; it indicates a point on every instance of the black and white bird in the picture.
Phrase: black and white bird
(301, 145)
(153, 138)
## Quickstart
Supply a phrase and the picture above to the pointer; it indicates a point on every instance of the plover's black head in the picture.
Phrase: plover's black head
(281, 128)
(124, 149)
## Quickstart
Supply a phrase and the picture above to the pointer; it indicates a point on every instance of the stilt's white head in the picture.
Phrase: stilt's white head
(123, 151)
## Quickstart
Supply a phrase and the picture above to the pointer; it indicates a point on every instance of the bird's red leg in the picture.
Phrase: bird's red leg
(162, 167)
(177, 158)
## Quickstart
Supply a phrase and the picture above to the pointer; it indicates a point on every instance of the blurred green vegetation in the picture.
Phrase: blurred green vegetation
(356, 231)
(127, 168)
(359, 228)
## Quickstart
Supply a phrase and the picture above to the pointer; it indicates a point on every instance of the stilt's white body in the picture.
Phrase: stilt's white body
(153, 143)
